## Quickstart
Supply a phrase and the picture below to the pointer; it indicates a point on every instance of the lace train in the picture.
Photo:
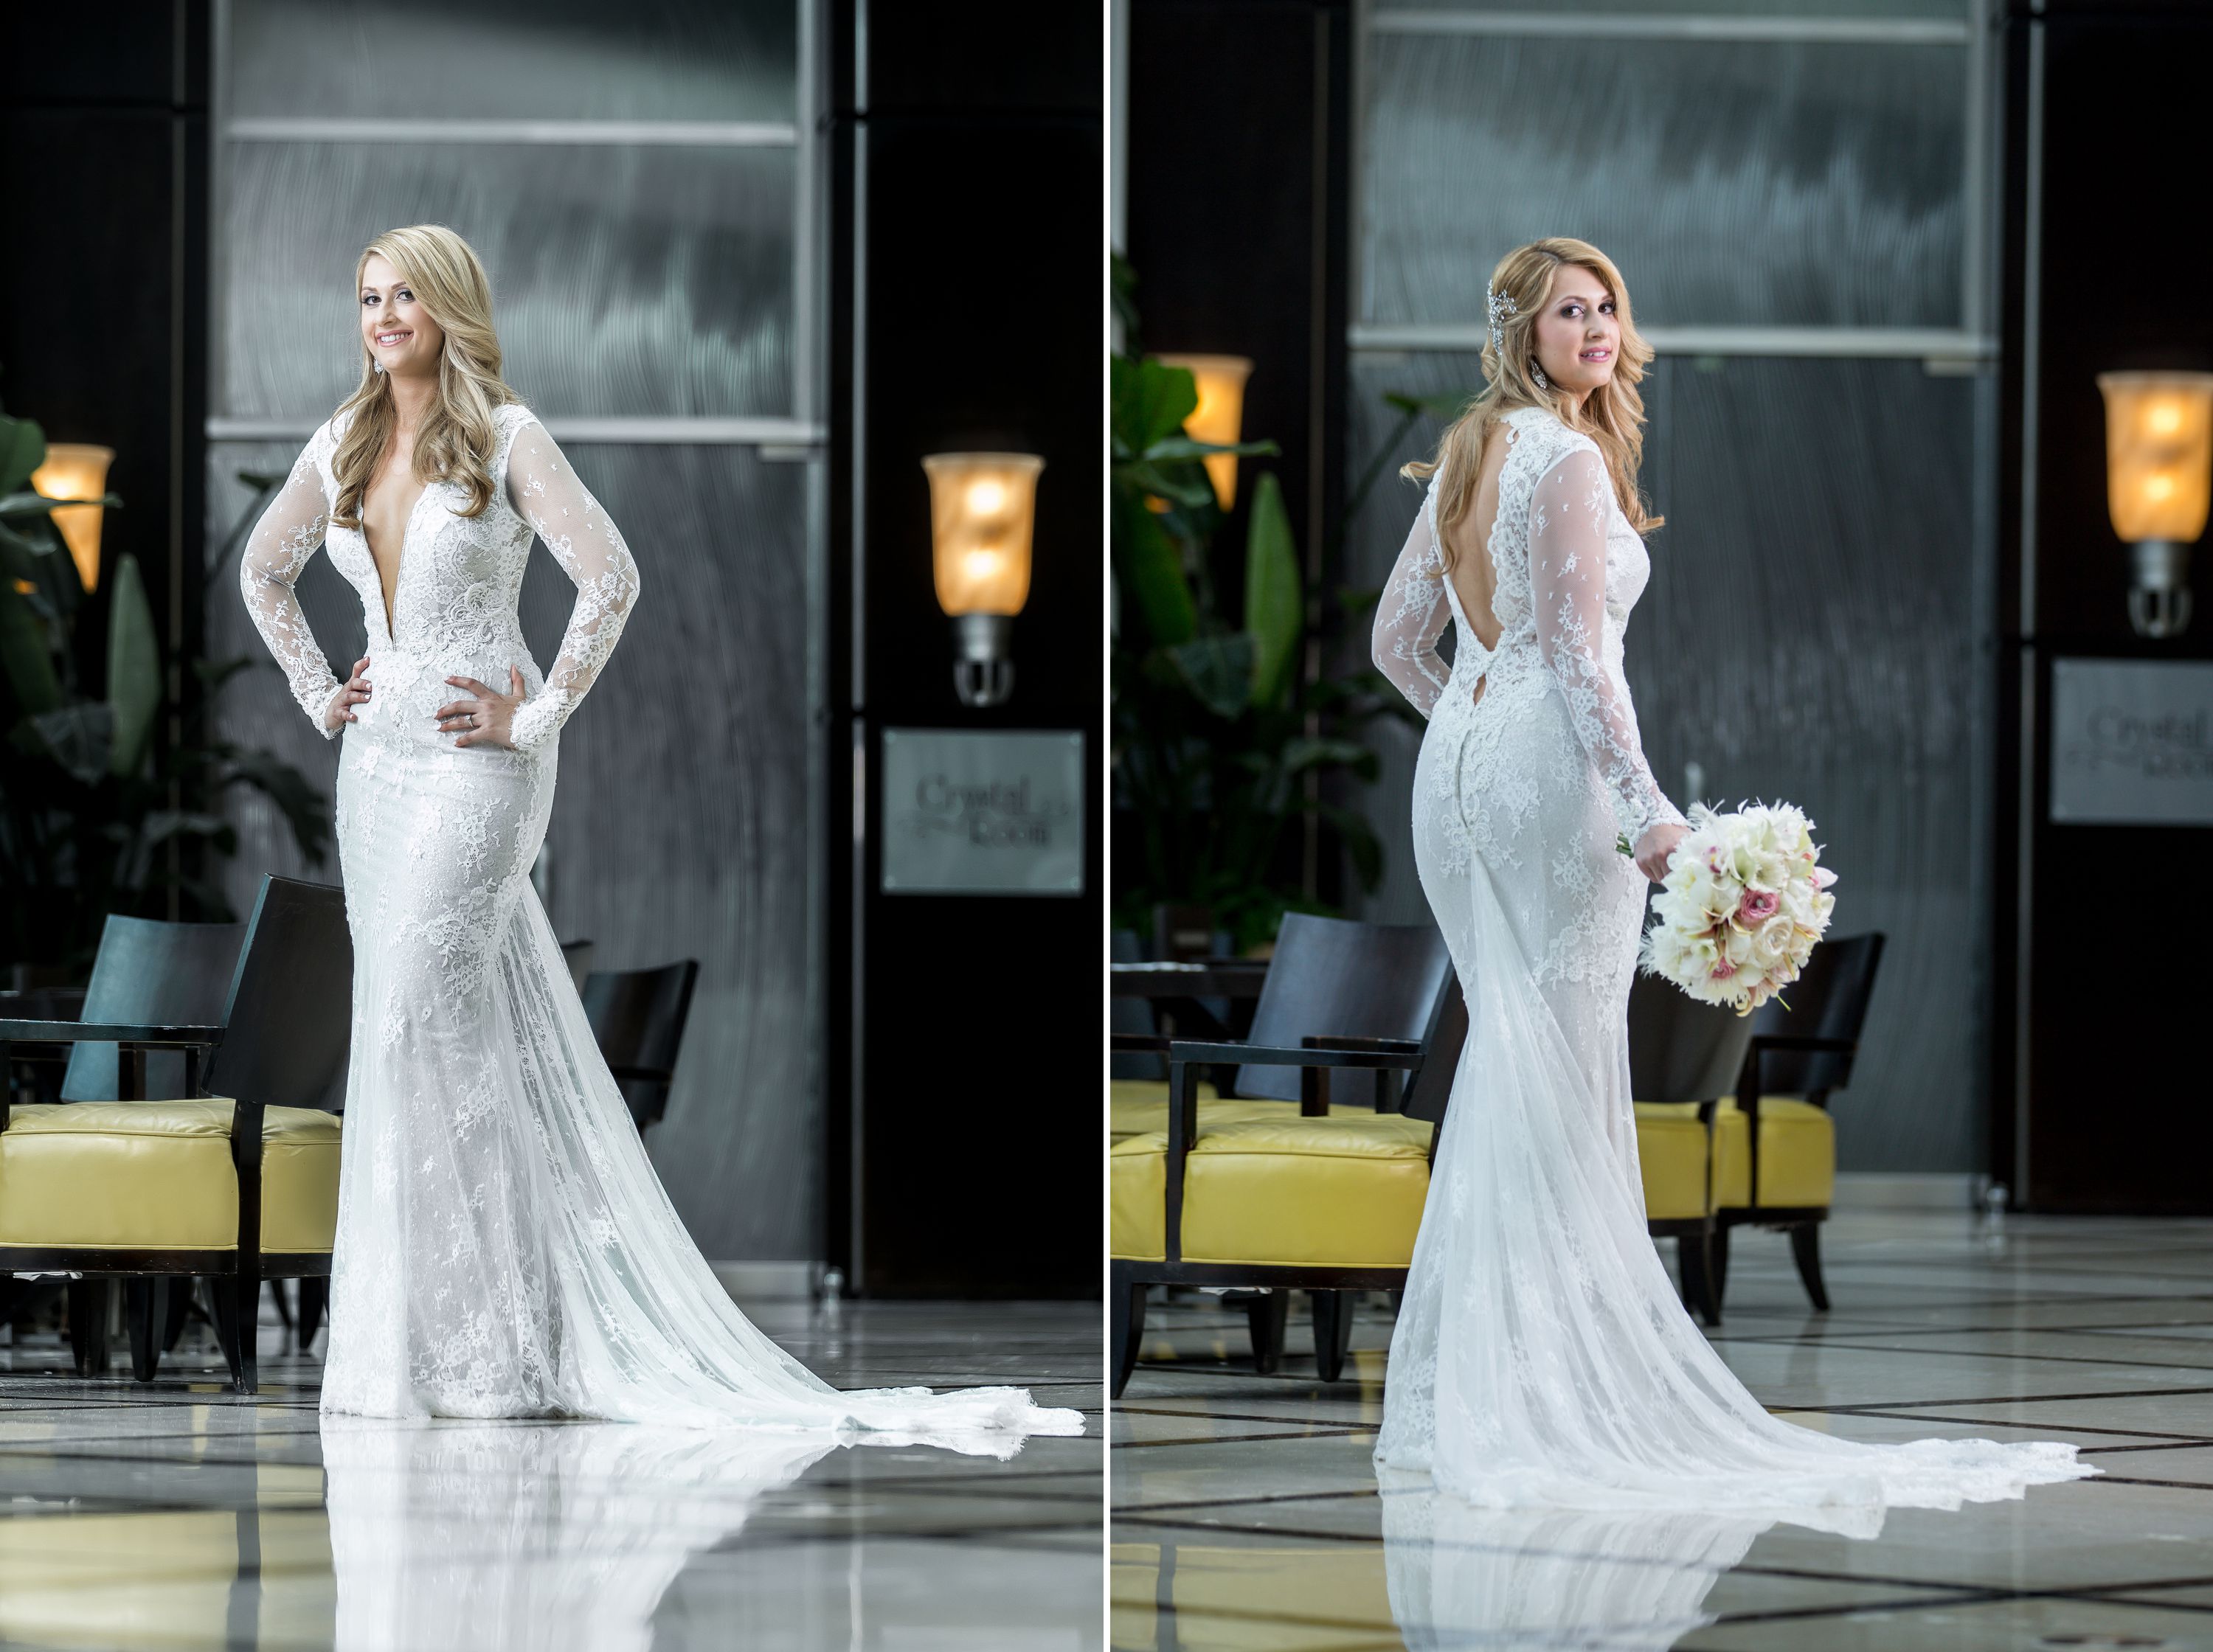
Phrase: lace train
(1542, 1356)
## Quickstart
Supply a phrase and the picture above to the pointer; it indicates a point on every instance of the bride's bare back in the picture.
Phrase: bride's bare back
(1474, 577)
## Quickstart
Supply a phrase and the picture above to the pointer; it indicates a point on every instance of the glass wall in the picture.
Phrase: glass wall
(638, 185)
(1795, 195)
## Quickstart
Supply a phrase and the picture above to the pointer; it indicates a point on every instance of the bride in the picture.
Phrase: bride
(1542, 1356)
(503, 1248)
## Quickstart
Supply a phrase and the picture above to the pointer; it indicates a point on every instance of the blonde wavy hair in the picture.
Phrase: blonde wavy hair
(1613, 415)
(456, 439)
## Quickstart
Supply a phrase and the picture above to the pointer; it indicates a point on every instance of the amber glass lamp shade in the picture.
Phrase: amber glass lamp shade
(1219, 415)
(2159, 478)
(77, 470)
(982, 506)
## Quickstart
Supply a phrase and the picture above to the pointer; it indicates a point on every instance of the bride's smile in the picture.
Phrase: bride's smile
(1578, 332)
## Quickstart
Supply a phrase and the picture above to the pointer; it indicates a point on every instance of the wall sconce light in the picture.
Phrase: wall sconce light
(981, 508)
(1219, 416)
(2159, 472)
(77, 470)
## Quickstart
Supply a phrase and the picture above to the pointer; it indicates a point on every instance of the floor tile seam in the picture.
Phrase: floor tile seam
(2167, 1485)
(977, 1533)
(1967, 1353)
(2035, 1399)
(1230, 1416)
(977, 1476)
(2184, 1443)
(1988, 1421)
(1261, 1500)
(1242, 1439)
(1819, 1335)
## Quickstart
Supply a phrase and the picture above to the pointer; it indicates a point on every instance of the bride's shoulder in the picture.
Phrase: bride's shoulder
(1542, 438)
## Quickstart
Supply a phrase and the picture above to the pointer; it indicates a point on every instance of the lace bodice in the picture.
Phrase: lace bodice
(1567, 569)
(453, 609)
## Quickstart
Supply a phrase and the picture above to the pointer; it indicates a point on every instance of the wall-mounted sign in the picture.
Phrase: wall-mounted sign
(982, 812)
(2132, 742)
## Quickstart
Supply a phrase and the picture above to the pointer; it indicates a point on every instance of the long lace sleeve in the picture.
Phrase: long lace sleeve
(585, 541)
(1567, 515)
(288, 535)
(1412, 615)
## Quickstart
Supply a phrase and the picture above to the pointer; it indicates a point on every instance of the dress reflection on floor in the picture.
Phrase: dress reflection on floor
(1248, 1512)
(183, 1516)
(552, 1535)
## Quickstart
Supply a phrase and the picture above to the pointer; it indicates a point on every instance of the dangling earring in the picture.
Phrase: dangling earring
(378, 365)
(1538, 373)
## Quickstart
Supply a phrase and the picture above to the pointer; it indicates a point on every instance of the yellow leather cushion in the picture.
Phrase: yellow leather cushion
(300, 1180)
(1797, 1154)
(1138, 1107)
(1137, 1184)
(156, 1175)
(1344, 1191)
(1671, 1153)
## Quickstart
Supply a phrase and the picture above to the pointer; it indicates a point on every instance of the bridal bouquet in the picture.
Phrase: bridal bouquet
(1744, 900)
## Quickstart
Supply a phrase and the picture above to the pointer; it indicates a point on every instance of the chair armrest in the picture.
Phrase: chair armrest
(16, 1032)
(1767, 1041)
(1353, 1041)
(1748, 1083)
(1393, 1054)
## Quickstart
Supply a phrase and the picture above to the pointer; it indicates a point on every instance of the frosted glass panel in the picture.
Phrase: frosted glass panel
(1735, 185)
(679, 819)
(1806, 636)
(535, 59)
(625, 281)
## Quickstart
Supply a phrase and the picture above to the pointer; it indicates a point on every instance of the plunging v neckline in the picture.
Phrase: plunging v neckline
(406, 531)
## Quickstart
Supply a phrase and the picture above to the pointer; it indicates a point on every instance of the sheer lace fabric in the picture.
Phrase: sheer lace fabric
(1541, 1356)
(504, 1248)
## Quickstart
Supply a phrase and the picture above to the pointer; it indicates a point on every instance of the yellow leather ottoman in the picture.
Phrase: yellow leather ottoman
(156, 1175)
(1671, 1156)
(1797, 1154)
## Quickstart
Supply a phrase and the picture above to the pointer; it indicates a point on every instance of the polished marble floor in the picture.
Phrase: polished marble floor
(180, 1515)
(1247, 1517)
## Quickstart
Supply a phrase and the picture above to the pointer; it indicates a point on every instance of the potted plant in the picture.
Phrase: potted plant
(98, 813)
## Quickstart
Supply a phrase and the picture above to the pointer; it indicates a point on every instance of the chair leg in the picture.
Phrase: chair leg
(237, 1316)
(1332, 1326)
(88, 1326)
(1127, 1329)
(1805, 1251)
(314, 1297)
(146, 1306)
(1717, 1265)
(1266, 1314)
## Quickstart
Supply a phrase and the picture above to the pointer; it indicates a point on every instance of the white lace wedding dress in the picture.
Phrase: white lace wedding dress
(504, 1248)
(1541, 1356)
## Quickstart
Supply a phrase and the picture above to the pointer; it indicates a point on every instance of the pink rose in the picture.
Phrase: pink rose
(1757, 906)
(1723, 970)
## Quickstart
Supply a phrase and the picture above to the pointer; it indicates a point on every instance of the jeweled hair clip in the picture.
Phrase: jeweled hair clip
(1501, 306)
